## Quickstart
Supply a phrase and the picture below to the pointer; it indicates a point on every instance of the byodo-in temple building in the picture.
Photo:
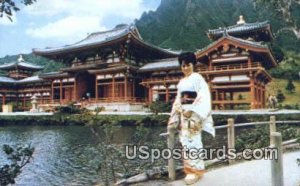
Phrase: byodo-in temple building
(118, 70)
(19, 84)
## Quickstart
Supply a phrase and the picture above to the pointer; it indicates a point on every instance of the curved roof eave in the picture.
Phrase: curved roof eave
(168, 52)
(252, 46)
(62, 50)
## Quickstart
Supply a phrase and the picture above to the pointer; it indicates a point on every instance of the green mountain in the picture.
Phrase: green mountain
(182, 24)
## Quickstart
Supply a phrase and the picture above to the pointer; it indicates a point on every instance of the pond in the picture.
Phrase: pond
(68, 155)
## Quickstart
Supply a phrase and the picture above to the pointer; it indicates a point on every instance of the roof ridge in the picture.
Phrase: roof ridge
(238, 25)
(107, 31)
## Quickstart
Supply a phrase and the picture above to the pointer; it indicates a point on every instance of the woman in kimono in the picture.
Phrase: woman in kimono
(191, 113)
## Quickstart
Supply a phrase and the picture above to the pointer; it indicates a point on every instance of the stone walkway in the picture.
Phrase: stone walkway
(249, 173)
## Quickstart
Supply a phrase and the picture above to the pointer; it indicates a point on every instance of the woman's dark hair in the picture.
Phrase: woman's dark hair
(187, 57)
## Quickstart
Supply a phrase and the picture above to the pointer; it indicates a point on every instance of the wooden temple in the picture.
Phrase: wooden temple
(103, 69)
(118, 70)
(20, 84)
(234, 65)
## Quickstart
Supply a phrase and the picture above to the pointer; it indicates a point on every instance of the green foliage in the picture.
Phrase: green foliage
(114, 159)
(18, 157)
(240, 97)
(160, 106)
(68, 109)
(280, 96)
(290, 87)
(289, 67)
(7, 7)
(260, 137)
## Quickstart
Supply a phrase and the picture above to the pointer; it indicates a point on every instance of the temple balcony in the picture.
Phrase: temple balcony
(231, 67)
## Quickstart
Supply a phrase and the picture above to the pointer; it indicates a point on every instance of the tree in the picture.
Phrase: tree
(290, 86)
(19, 157)
(280, 96)
(284, 8)
(7, 7)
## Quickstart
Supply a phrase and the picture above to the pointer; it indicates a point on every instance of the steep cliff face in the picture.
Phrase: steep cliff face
(182, 24)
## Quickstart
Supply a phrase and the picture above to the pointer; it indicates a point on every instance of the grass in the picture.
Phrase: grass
(280, 84)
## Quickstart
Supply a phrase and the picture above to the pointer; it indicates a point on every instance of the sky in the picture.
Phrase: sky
(61, 22)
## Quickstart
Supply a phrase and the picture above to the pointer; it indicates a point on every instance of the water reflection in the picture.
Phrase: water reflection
(70, 155)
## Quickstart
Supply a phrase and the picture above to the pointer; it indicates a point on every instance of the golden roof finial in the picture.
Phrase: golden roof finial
(241, 20)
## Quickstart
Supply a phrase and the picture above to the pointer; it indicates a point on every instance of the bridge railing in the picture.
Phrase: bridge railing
(275, 141)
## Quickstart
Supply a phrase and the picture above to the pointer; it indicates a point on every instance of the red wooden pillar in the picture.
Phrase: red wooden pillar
(249, 62)
(150, 94)
(133, 89)
(17, 101)
(96, 88)
(252, 92)
(167, 93)
(52, 91)
(3, 98)
(125, 87)
(60, 91)
(75, 89)
(113, 86)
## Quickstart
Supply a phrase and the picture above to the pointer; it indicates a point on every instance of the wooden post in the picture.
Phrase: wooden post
(52, 91)
(276, 164)
(171, 145)
(167, 93)
(231, 136)
(272, 128)
(252, 92)
(75, 89)
(113, 86)
(60, 92)
(96, 88)
(125, 87)
(150, 94)
(3, 98)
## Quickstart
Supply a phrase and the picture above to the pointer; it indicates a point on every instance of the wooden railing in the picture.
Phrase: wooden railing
(161, 80)
(275, 142)
(230, 67)
(93, 100)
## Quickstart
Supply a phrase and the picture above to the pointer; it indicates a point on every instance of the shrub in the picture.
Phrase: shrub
(159, 106)
(68, 109)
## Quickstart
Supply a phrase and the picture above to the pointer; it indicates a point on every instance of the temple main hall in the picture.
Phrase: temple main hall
(118, 70)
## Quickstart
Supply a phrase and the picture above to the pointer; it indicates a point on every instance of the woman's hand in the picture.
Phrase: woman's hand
(178, 108)
(187, 114)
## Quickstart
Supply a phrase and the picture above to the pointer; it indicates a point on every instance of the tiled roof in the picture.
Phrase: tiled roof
(29, 79)
(240, 28)
(7, 80)
(98, 38)
(94, 38)
(160, 64)
(241, 41)
(25, 80)
(54, 75)
(20, 65)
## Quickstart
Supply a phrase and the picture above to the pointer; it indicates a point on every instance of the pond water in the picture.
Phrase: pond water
(68, 155)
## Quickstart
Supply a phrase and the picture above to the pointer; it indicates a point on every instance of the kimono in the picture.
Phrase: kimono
(201, 119)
